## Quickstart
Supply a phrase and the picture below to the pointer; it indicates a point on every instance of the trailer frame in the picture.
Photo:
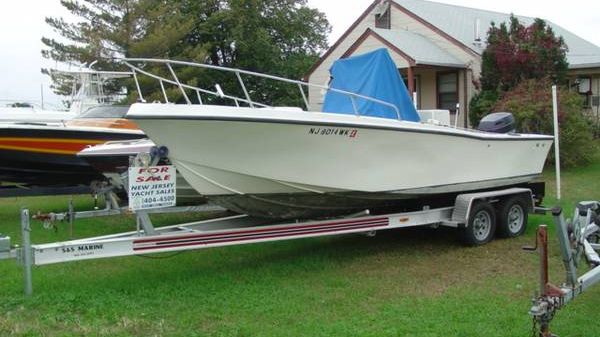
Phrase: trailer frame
(238, 229)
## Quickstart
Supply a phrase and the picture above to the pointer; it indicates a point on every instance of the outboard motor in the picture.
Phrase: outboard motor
(498, 122)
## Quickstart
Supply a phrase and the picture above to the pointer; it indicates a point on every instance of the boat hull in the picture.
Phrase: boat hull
(112, 159)
(46, 155)
(229, 153)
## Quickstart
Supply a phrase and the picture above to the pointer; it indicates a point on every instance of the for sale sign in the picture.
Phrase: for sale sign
(151, 187)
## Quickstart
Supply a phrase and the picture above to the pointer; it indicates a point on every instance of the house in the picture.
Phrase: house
(437, 49)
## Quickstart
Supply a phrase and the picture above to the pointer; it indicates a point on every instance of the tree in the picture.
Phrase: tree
(515, 53)
(276, 36)
(279, 37)
(531, 103)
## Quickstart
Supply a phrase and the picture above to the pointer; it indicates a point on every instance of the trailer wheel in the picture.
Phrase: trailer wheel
(512, 217)
(482, 224)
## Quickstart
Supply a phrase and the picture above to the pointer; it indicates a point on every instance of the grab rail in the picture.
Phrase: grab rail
(237, 72)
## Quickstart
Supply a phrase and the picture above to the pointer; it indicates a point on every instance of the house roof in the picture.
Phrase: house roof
(459, 23)
(418, 48)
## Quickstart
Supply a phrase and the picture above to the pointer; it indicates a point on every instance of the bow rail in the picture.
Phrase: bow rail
(136, 68)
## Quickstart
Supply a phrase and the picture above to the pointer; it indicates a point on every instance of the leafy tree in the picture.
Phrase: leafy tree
(515, 53)
(279, 37)
(275, 36)
(531, 102)
(109, 29)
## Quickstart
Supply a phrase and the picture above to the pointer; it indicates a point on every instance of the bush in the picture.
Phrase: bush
(531, 103)
(481, 104)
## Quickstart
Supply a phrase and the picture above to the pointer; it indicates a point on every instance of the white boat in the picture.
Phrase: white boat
(289, 163)
(113, 160)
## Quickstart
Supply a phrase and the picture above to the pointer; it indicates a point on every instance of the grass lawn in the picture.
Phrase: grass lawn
(411, 282)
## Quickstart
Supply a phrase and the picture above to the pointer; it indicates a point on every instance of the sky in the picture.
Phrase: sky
(22, 26)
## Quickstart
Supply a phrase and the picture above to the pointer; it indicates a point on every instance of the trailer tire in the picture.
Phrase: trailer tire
(512, 217)
(481, 226)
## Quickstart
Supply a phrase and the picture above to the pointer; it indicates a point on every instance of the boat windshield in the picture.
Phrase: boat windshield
(107, 111)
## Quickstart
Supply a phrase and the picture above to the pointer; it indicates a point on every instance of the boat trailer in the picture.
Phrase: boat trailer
(471, 213)
(111, 208)
(578, 237)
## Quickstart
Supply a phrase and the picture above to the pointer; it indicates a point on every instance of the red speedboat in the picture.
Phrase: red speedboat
(45, 154)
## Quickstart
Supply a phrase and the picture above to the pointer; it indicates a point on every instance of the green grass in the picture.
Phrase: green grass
(413, 282)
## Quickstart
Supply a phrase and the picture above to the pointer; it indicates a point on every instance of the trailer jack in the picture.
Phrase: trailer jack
(574, 237)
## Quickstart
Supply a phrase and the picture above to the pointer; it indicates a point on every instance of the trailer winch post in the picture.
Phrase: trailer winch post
(26, 255)
(542, 243)
(547, 300)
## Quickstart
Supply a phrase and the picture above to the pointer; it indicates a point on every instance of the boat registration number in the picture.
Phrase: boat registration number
(343, 132)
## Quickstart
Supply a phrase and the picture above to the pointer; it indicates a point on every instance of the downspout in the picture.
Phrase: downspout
(466, 105)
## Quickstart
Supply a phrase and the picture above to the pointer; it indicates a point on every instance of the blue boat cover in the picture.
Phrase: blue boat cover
(375, 75)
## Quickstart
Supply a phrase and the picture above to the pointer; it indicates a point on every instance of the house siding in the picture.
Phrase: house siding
(321, 74)
(427, 88)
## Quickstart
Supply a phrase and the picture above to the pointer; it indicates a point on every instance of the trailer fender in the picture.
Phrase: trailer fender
(464, 202)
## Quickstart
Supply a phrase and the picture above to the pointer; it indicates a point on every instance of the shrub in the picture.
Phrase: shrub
(481, 104)
(531, 103)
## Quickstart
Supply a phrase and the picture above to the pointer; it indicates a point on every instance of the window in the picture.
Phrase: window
(447, 91)
(383, 20)
(584, 85)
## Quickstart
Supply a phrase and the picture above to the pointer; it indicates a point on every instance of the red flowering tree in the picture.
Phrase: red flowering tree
(515, 53)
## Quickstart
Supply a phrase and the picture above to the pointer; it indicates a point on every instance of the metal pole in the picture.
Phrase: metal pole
(199, 97)
(556, 141)
(162, 87)
(26, 251)
(304, 97)
(565, 246)
(239, 77)
(137, 85)
(542, 237)
(144, 222)
(185, 96)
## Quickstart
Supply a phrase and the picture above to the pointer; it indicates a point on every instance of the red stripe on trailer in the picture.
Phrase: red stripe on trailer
(255, 237)
(251, 235)
(261, 230)
(287, 231)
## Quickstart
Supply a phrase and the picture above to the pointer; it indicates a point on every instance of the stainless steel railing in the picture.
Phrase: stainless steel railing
(135, 64)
